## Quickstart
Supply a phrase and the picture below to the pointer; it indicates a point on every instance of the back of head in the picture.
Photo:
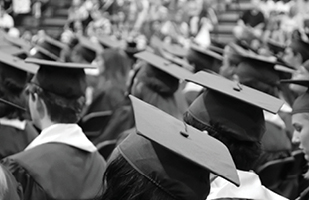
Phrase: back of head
(203, 62)
(157, 88)
(12, 83)
(116, 65)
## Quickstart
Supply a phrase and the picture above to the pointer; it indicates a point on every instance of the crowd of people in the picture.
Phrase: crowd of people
(135, 100)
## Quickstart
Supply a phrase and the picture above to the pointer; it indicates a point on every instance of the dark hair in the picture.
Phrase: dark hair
(60, 109)
(12, 83)
(123, 182)
(244, 153)
(272, 90)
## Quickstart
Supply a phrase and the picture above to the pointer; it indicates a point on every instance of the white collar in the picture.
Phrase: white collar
(70, 134)
(250, 188)
(14, 123)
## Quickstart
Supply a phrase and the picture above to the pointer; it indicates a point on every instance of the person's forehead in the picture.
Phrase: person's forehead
(300, 118)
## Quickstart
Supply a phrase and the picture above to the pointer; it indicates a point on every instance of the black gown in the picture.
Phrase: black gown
(58, 171)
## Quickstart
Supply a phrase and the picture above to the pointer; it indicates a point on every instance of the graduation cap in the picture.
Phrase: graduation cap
(47, 49)
(275, 46)
(301, 103)
(163, 71)
(204, 58)
(87, 49)
(19, 42)
(63, 79)
(175, 50)
(174, 156)
(257, 68)
(108, 42)
(233, 105)
(163, 64)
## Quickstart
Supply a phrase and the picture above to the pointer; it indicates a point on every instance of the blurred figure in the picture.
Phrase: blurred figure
(6, 20)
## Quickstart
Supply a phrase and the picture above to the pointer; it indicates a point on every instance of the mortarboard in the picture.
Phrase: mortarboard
(108, 42)
(159, 71)
(175, 50)
(216, 49)
(47, 48)
(13, 76)
(163, 64)
(257, 68)
(204, 58)
(174, 156)
(235, 106)
(87, 49)
(63, 79)
(301, 103)
(275, 46)
(19, 42)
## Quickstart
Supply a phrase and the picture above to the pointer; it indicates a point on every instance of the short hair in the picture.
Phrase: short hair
(244, 153)
(60, 109)
(123, 182)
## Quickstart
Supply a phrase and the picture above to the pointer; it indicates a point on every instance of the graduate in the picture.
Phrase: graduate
(16, 131)
(300, 121)
(233, 114)
(61, 163)
(165, 159)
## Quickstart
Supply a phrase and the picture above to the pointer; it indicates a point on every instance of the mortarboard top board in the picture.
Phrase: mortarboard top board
(237, 91)
(160, 137)
(50, 45)
(206, 51)
(235, 106)
(301, 103)
(19, 42)
(175, 50)
(87, 48)
(275, 46)
(108, 42)
(63, 79)
(18, 63)
(163, 64)
(216, 49)
(42, 53)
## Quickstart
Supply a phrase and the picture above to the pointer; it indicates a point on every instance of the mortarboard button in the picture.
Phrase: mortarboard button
(63, 79)
(159, 137)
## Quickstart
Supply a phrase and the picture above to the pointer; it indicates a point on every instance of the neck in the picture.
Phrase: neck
(45, 123)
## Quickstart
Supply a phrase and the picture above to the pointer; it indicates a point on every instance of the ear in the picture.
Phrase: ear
(40, 105)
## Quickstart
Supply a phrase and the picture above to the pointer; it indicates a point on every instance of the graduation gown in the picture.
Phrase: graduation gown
(250, 188)
(14, 189)
(61, 163)
(15, 139)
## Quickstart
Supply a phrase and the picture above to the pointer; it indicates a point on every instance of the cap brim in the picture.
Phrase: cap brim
(59, 64)
(169, 132)
(163, 64)
(237, 91)
(302, 82)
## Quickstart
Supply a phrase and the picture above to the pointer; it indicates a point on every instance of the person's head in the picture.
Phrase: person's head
(114, 66)
(232, 115)
(301, 73)
(13, 79)
(85, 51)
(296, 53)
(231, 59)
(157, 81)
(56, 92)
(204, 59)
(141, 166)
